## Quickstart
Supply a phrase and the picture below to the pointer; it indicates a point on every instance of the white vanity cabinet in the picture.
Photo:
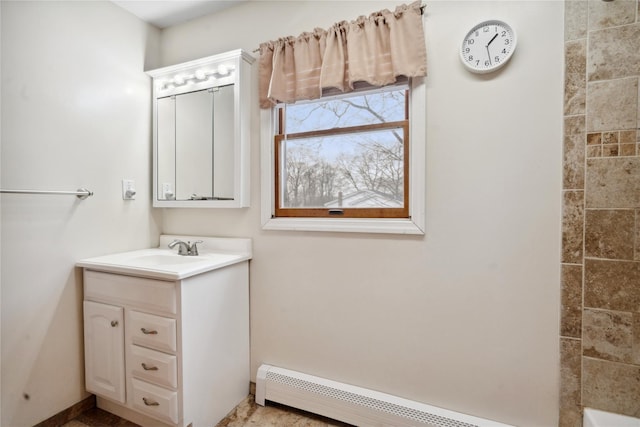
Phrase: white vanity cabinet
(168, 352)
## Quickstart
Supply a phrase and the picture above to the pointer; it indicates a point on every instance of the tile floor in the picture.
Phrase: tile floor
(95, 417)
(249, 413)
(246, 414)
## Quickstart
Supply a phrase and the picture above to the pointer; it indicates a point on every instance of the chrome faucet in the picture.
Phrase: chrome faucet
(187, 249)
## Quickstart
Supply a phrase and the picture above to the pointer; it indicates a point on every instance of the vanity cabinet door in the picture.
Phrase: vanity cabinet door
(104, 350)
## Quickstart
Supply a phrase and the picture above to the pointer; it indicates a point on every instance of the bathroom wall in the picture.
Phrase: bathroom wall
(600, 320)
(465, 317)
(75, 113)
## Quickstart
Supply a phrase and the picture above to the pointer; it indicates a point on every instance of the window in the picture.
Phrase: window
(340, 176)
(344, 156)
(346, 163)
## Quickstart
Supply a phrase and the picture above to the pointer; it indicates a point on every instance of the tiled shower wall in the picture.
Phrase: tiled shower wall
(600, 319)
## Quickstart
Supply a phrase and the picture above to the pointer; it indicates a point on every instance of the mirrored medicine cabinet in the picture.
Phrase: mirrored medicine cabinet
(201, 132)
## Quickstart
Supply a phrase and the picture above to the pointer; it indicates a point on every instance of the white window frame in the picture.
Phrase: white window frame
(415, 224)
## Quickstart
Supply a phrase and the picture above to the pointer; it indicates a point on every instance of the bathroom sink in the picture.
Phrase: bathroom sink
(164, 263)
(159, 260)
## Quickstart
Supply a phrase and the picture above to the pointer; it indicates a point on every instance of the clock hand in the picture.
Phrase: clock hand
(492, 39)
(487, 46)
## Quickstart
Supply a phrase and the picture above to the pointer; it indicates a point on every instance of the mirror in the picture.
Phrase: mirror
(195, 145)
(200, 132)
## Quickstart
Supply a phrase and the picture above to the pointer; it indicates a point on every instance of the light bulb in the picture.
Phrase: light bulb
(223, 70)
(200, 75)
(179, 80)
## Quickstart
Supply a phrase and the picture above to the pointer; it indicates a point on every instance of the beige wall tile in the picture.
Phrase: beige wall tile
(574, 125)
(609, 234)
(612, 285)
(627, 149)
(610, 137)
(574, 152)
(613, 183)
(604, 14)
(615, 52)
(572, 225)
(570, 379)
(607, 335)
(575, 93)
(571, 301)
(575, 19)
(575, 77)
(612, 105)
(594, 138)
(570, 416)
(610, 150)
(576, 56)
(637, 238)
(594, 151)
(628, 136)
(636, 338)
(611, 386)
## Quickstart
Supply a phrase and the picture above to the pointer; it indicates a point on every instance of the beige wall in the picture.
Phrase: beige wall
(465, 317)
(600, 322)
(75, 112)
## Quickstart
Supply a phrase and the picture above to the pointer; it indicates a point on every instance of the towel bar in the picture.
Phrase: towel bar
(80, 193)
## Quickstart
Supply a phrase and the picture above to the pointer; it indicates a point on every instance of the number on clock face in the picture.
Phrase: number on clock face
(487, 46)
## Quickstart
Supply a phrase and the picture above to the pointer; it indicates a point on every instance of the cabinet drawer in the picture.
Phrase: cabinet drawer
(156, 295)
(154, 366)
(153, 331)
(155, 401)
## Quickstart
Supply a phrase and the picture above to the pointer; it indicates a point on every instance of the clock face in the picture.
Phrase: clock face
(488, 46)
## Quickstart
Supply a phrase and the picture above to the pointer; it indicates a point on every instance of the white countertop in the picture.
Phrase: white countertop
(164, 263)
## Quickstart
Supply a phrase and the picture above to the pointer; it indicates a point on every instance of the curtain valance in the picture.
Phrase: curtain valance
(375, 49)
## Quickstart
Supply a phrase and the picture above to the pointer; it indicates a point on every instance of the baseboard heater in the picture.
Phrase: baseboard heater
(354, 405)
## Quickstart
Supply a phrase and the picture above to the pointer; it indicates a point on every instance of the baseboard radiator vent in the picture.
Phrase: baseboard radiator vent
(354, 405)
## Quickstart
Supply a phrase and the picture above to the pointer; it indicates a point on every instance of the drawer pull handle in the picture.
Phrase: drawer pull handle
(114, 323)
(149, 402)
(149, 368)
(148, 332)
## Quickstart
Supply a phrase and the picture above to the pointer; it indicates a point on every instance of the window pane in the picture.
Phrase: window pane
(377, 107)
(355, 170)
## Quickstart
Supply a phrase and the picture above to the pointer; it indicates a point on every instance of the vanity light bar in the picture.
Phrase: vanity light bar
(198, 76)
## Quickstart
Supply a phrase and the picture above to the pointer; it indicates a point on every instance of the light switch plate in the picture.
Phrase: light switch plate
(128, 189)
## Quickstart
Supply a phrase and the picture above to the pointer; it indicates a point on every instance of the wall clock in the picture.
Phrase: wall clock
(488, 46)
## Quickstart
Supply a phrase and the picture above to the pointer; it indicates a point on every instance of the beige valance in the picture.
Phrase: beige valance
(376, 49)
